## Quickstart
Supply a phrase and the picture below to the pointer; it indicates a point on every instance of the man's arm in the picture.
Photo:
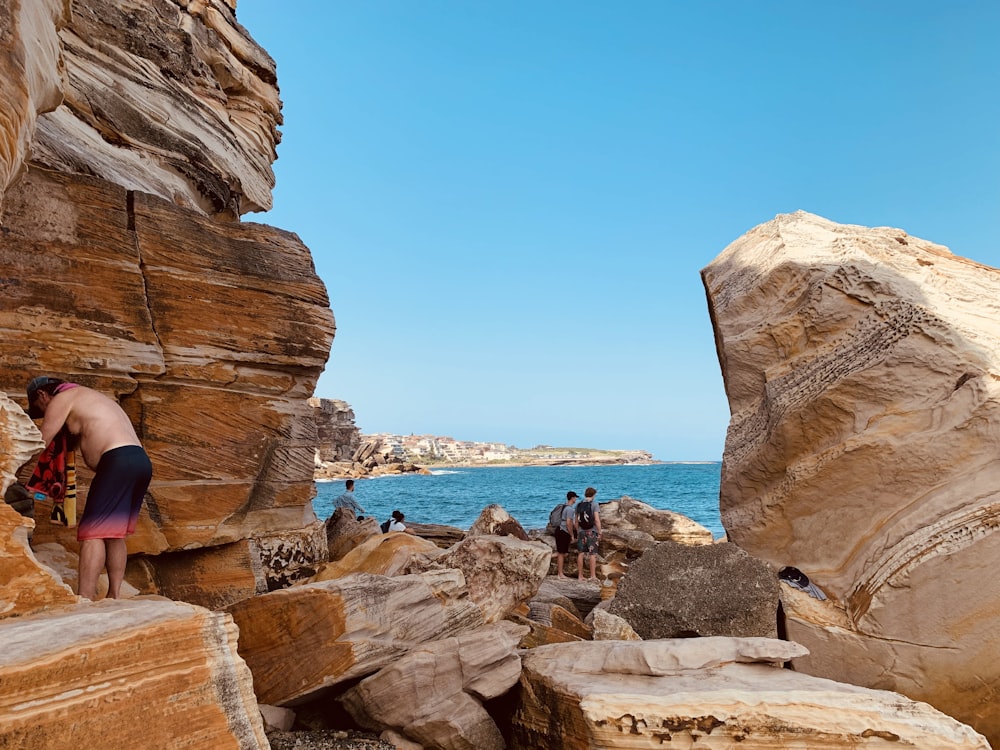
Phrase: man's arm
(56, 414)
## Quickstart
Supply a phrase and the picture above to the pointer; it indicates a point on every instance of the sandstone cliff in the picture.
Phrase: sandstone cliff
(136, 135)
(862, 374)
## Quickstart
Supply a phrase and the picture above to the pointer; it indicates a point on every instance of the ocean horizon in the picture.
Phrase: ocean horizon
(456, 495)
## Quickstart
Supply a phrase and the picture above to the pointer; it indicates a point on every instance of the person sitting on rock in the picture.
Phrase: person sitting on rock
(395, 523)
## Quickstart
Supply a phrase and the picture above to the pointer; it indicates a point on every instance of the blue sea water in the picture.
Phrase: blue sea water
(455, 497)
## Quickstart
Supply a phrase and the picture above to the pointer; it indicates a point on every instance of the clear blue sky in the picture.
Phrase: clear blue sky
(510, 202)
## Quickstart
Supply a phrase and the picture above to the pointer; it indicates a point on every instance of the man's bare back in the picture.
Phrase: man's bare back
(97, 420)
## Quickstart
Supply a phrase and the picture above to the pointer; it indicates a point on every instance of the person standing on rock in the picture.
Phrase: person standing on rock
(122, 472)
(347, 501)
(565, 533)
(588, 532)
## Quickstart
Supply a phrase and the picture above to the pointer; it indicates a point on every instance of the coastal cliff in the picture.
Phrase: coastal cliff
(135, 137)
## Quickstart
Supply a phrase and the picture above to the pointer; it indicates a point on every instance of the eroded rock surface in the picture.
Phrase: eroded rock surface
(169, 98)
(500, 571)
(434, 694)
(863, 376)
(628, 515)
(168, 675)
(676, 590)
(302, 640)
(26, 586)
(710, 693)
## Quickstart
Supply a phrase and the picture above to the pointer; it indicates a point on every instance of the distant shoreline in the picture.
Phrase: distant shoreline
(430, 468)
(590, 462)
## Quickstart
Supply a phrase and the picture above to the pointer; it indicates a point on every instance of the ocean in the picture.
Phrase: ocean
(456, 496)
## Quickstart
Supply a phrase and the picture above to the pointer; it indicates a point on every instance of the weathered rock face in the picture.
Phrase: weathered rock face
(710, 693)
(25, 585)
(862, 374)
(302, 640)
(169, 98)
(31, 73)
(136, 135)
(337, 436)
(434, 694)
(619, 517)
(500, 571)
(211, 354)
(675, 590)
(20, 440)
(167, 675)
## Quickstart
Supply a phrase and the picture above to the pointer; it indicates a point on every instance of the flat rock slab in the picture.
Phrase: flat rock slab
(682, 693)
(116, 674)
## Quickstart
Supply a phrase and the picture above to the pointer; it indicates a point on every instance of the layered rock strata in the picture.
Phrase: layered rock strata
(862, 369)
(300, 641)
(134, 137)
(337, 436)
(710, 693)
(452, 677)
(82, 673)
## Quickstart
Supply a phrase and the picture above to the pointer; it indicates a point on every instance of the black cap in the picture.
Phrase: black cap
(33, 385)
(570, 495)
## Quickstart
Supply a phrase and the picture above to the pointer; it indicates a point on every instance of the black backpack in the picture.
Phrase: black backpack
(555, 518)
(585, 515)
(385, 525)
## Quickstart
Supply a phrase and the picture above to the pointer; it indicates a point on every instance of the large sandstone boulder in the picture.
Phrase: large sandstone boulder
(625, 515)
(380, 554)
(434, 694)
(494, 519)
(676, 590)
(862, 368)
(302, 640)
(138, 673)
(500, 571)
(442, 535)
(344, 532)
(710, 693)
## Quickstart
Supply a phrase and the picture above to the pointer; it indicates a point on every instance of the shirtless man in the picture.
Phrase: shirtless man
(122, 472)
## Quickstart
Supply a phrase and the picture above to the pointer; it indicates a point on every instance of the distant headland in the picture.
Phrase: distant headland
(342, 451)
(432, 450)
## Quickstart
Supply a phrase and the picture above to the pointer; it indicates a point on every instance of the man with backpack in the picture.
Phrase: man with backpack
(564, 531)
(588, 532)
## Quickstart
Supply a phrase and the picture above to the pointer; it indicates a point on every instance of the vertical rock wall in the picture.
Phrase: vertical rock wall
(135, 135)
(338, 438)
